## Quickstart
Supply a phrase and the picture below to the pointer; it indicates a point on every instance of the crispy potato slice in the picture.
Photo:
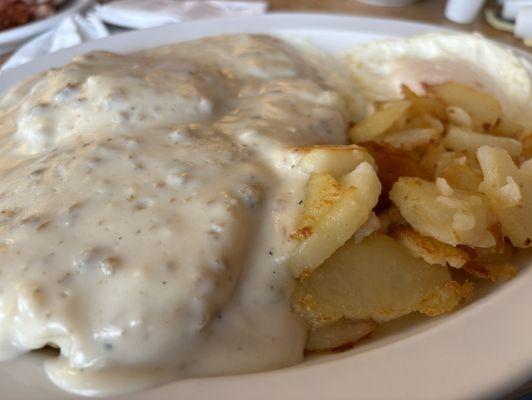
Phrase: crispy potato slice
(389, 219)
(483, 108)
(409, 121)
(411, 138)
(372, 225)
(459, 117)
(527, 147)
(502, 252)
(332, 214)
(339, 334)
(458, 218)
(460, 170)
(424, 105)
(434, 123)
(322, 192)
(377, 279)
(444, 187)
(379, 122)
(392, 164)
(429, 249)
(336, 160)
(432, 158)
(509, 192)
(495, 272)
(508, 128)
(445, 298)
(459, 139)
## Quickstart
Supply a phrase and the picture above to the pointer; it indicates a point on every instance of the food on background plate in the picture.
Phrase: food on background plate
(223, 205)
(14, 13)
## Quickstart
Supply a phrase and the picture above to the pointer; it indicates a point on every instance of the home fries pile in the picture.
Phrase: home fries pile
(434, 194)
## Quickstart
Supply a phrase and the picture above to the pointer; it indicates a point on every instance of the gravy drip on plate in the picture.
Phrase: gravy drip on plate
(145, 205)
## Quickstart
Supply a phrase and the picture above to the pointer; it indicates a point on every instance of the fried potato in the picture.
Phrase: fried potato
(392, 164)
(389, 219)
(508, 128)
(509, 192)
(459, 117)
(424, 105)
(452, 195)
(379, 122)
(377, 279)
(459, 139)
(332, 213)
(429, 249)
(409, 122)
(372, 225)
(411, 138)
(339, 334)
(432, 158)
(460, 170)
(502, 252)
(527, 147)
(460, 218)
(336, 160)
(445, 298)
(322, 191)
(435, 124)
(495, 272)
(444, 187)
(483, 108)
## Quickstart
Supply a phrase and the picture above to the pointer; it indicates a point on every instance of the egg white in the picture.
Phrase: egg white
(381, 67)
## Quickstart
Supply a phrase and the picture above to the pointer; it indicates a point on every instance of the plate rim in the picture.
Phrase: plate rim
(387, 359)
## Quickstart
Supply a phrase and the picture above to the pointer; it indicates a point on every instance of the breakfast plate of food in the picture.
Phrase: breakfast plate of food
(22, 19)
(289, 205)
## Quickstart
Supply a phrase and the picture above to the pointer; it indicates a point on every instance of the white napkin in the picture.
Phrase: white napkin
(134, 14)
(71, 31)
(140, 14)
(463, 11)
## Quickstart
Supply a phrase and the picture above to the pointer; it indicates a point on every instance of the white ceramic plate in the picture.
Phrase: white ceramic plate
(482, 351)
(11, 38)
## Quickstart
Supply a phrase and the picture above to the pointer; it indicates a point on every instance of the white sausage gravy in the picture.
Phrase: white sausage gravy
(145, 207)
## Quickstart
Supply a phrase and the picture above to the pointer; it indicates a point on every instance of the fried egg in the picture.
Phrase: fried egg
(381, 67)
